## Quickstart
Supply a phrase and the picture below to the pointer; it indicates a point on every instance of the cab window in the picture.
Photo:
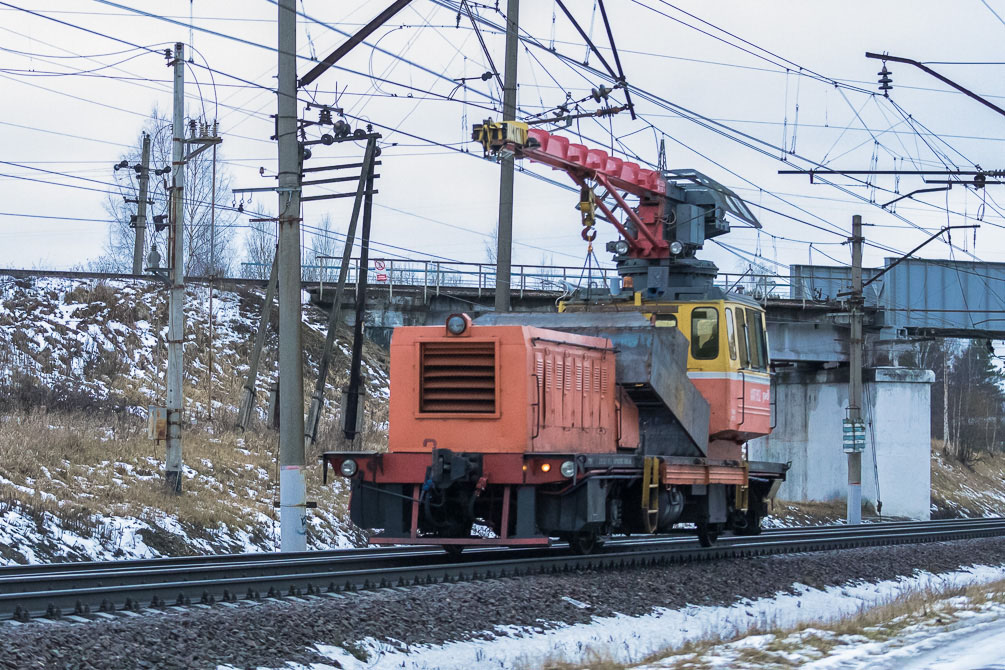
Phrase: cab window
(752, 349)
(741, 337)
(731, 333)
(758, 348)
(704, 333)
(663, 321)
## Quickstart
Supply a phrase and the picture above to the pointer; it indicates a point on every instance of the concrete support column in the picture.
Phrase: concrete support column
(897, 412)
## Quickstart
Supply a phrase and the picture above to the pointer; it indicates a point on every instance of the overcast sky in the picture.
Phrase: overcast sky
(787, 74)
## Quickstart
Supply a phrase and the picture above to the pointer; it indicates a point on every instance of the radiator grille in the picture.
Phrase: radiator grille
(458, 376)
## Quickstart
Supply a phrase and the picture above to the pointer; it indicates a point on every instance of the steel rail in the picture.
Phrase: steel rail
(84, 569)
(54, 590)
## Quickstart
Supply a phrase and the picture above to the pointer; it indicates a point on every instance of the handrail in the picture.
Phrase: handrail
(743, 398)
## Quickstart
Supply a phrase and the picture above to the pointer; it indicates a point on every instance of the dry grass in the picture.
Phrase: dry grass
(972, 490)
(792, 647)
(815, 512)
(80, 469)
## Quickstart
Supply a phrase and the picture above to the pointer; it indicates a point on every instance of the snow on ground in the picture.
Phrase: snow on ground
(972, 490)
(30, 535)
(951, 634)
(629, 640)
(975, 643)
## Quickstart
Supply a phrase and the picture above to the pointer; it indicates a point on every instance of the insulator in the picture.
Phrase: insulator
(885, 81)
(191, 127)
(599, 94)
(203, 129)
(325, 117)
(154, 258)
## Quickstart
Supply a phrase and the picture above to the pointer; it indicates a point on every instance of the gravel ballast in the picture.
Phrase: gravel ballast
(272, 633)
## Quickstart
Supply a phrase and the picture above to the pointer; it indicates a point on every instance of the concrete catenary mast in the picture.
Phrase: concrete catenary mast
(504, 248)
(176, 299)
(292, 487)
(141, 207)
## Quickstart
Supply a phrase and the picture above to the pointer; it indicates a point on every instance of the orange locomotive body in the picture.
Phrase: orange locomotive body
(534, 433)
(506, 389)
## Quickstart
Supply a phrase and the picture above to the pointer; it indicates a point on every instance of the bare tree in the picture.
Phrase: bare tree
(491, 244)
(209, 232)
(259, 249)
(323, 243)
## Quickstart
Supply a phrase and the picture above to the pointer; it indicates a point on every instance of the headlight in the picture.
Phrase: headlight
(568, 469)
(456, 324)
(676, 248)
(621, 247)
(348, 467)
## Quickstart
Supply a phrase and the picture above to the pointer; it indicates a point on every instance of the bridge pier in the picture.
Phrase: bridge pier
(809, 409)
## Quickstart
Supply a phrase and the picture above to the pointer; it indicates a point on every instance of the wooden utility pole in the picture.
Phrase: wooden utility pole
(351, 413)
(504, 248)
(334, 316)
(248, 394)
(292, 486)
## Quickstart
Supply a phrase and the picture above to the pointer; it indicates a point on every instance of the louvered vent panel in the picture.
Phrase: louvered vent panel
(458, 376)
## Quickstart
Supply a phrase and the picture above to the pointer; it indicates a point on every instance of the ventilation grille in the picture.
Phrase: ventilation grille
(458, 376)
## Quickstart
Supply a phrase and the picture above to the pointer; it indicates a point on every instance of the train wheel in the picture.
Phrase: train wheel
(585, 543)
(453, 550)
(708, 533)
(751, 523)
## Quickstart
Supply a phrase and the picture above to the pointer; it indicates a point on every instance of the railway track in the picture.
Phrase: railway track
(98, 589)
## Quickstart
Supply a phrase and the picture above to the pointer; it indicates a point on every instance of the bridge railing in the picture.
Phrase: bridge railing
(436, 277)
(762, 287)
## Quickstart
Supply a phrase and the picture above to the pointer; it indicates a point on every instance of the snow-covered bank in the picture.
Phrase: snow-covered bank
(972, 640)
(81, 360)
(631, 640)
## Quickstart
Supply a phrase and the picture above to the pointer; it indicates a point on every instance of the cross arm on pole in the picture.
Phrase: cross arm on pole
(589, 42)
(481, 40)
(945, 80)
(910, 253)
(203, 144)
(349, 44)
(617, 60)
(906, 256)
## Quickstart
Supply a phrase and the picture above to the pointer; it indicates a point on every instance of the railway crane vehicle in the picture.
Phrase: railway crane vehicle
(627, 411)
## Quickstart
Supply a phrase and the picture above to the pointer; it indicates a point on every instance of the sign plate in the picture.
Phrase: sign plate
(854, 436)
